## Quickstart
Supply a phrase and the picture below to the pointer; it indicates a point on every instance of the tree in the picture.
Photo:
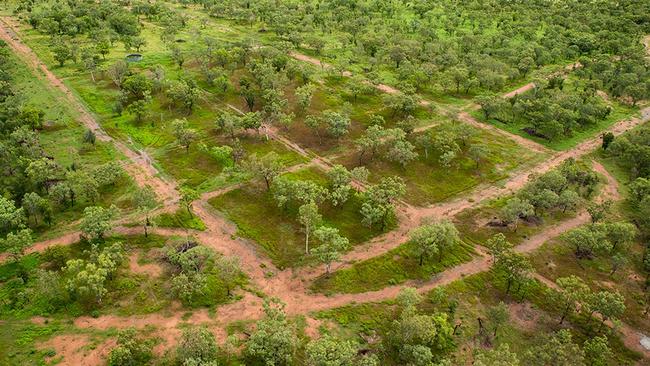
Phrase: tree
(569, 200)
(184, 93)
(82, 186)
(130, 350)
(598, 211)
(274, 340)
(145, 201)
(337, 124)
(177, 55)
(198, 344)
(402, 152)
(339, 178)
(108, 173)
(501, 356)
(328, 351)
(266, 168)
(183, 133)
(42, 171)
(557, 350)
(497, 316)
(499, 246)
(620, 233)
(610, 305)
(118, 72)
(572, 291)
(188, 196)
(188, 286)
(478, 153)
(304, 95)
(515, 267)
(514, 210)
(378, 201)
(417, 337)
(228, 270)
(597, 351)
(35, 206)
(608, 138)
(96, 221)
(309, 218)
(434, 239)
(11, 217)
(62, 52)
(86, 281)
(331, 246)
(16, 242)
(588, 241)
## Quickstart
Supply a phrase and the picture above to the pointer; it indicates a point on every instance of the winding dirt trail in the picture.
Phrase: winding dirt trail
(140, 167)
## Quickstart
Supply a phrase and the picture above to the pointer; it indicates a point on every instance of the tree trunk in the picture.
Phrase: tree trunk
(307, 239)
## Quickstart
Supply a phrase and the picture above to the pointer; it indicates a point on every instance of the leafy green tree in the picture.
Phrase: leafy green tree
(331, 245)
(197, 343)
(266, 168)
(378, 201)
(86, 281)
(117, 72)
(340, 179)
(108, 173)
(82, 186)
(185, 135)
(188, 287)
(402, 152)
(184, 93)
(11, 217)
(304, 96)
(501, 356)
(309, 218)
(42, 171)
(62, 52)
(598, 211)
(478, 153)
(130, 350)
(16, 243)
(497, 316)
(434, 239)
(337, 124)
(138, 109)
(328, 351)
(97, 221)
(610, 305)
(572, 292)
(515, 267)
(35, 206)
(228, 270)
(514, 210)
(145, 201)
(499, 246)
(188, 196)
(557, 350)
(587, 241)
(274, 340)
(597, 351)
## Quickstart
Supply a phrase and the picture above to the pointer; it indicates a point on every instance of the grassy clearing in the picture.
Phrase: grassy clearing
(474, 228)
(391, 268)
(180, 219)
(427, 181)
(278, 231)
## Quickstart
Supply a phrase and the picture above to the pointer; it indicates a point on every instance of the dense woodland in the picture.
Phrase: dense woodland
(332, 182)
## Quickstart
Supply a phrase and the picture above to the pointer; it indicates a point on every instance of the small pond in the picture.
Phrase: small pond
(133, 57)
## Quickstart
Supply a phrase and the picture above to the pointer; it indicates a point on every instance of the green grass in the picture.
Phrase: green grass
(473, 227)
(277, 231)
(180, 219)
(391, 268)
(428, 182)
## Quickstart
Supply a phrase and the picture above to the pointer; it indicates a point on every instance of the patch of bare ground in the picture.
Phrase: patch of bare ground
(148, 269)
(524, 315)
(78, 350)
